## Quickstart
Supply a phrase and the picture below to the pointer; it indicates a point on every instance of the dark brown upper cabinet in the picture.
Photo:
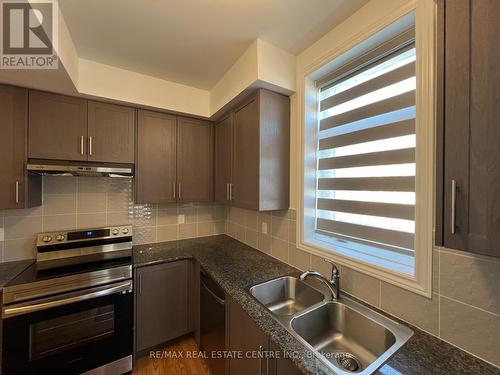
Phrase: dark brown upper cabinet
(16, 189)
(194, 160)
(57, 127)
(156, 158)
(259, 133)
(174, 160)
(72, 129)
(470, 217)
(111, 133)
(223, 158)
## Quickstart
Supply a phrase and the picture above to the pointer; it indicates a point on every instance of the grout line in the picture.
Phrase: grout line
(472, 306)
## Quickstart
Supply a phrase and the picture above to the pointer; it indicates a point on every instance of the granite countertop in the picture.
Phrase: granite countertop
(236, 267)
(9, 270)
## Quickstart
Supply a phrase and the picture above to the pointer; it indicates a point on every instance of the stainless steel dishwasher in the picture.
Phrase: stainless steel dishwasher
(212, 322)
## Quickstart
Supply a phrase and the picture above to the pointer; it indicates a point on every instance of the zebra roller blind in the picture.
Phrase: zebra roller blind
(366, 151)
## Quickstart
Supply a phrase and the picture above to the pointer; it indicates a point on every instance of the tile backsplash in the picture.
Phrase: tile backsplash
(87, 202)
(465, 306)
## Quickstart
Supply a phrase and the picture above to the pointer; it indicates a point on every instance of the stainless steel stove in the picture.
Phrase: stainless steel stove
(71, 312)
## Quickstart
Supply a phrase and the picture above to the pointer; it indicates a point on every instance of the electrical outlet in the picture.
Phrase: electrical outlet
(264, 227)
(181, 219)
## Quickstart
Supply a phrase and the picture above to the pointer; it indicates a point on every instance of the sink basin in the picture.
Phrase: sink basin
(286, 296)
(353, 340)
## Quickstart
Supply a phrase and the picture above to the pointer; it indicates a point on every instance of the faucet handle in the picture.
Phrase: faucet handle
(335, 269)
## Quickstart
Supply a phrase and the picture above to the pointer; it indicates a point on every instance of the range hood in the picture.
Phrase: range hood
(63, 168)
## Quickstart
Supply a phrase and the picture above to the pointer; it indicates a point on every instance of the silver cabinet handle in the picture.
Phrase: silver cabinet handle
(179, 194)
(227, 192)
(260, 359)
(90, 145)
(51, 302)
(17, 191)
(230, 192)
(81, 145)
(173, 189)
(453, 203)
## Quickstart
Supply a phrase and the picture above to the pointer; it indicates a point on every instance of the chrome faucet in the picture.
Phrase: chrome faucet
(333, 284)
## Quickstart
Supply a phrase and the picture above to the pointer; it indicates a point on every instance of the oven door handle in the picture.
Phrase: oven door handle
(48, 303)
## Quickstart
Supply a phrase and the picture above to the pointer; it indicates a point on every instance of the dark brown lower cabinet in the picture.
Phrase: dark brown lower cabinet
(162, 303)
(245, 337)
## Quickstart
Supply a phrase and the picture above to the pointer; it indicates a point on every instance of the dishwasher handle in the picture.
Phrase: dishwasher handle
(210, 291)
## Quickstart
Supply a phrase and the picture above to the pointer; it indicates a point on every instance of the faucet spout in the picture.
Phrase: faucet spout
(333, 285)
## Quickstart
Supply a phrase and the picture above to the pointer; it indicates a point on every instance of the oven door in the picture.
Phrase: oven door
(70, 333)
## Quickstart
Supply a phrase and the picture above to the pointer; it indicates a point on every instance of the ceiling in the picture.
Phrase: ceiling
(194, 42)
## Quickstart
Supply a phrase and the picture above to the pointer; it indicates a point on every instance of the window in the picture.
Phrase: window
(367, 155)
(365, 198)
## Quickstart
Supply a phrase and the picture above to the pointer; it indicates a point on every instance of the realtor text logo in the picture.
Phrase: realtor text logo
(29, 34)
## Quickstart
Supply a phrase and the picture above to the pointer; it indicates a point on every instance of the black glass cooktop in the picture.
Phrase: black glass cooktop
(33, 274)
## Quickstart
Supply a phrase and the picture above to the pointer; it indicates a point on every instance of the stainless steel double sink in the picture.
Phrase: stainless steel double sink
(348, 337)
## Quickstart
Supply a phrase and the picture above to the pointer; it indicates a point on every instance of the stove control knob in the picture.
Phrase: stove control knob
(114, 232)
(47, 238)
(60, 237)
(125, 230)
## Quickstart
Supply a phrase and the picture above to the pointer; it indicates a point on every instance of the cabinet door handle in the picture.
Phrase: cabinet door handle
(90, 146)
(173, 189)
(179, 192)
(260, 359)
(17, 191)
(140, 284)
(227, 192)
(453, 204)
(230, 192)
(81, 145)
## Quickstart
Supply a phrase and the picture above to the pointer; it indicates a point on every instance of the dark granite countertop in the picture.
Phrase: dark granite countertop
(236, 267)
(9, 270)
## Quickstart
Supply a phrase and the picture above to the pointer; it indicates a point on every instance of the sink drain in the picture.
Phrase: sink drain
(347, 361)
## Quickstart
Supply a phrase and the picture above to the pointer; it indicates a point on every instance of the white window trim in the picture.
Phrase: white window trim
(425, 31)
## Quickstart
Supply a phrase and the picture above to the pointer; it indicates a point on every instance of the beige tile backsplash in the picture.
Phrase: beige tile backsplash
(465, 306)
(86, 202)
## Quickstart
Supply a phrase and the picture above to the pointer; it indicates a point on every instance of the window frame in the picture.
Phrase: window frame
(424, 13)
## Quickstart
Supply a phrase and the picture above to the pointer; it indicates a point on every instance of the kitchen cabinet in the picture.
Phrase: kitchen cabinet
(260, 153)
(281, 365)
(223, 157)
(72, 129)
(57, 127)
(243, 334)
(162, 303)
(17, 190)
(194, 160)
(111, 133)
(174, 160)
(471, 136)
(156, 158)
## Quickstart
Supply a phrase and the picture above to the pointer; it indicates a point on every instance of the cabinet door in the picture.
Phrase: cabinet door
(57, 127)
(244, 335)
(111, 130)
(155, 165)
(13, 126)
(161, 303)
(223, 158)
(245, 190)
(194, 160)
(282, 365)
(472, 133)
